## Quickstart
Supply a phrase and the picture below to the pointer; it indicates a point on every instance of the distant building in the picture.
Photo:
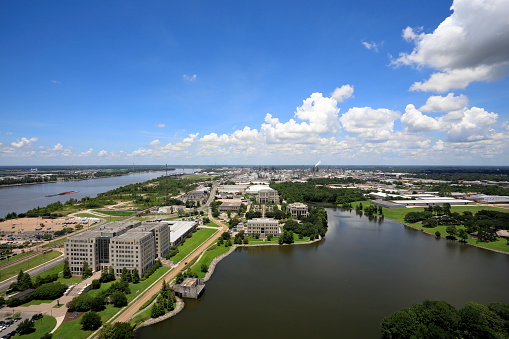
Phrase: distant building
(230, 206)
(263, 226)
(489, 199)
(298, 209)
(267, 196)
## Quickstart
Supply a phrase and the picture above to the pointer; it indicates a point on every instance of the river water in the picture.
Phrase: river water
(341, 287)
(20, 199)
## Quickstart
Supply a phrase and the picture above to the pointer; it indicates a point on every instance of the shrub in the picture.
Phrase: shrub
(26, 326)
(90, 321)
(49, 291)
(96, 284)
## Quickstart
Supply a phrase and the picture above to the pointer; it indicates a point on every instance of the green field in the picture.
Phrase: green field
(212, 224)
(14, 257)
(207, 258)
(192, 243)
(56, 242)
(42, 326)
(28, 264)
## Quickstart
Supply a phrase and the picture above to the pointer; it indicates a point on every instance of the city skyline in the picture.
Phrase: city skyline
(284, 82)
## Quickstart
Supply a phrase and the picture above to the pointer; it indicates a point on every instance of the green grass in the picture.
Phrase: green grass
(28, 264)
(212, 224)
(173, 218)
(14, 257)
(72, 329)
(42, 326)
(191, 243)
(138, 319)
(116, 213)
(207, 258)
(141, 218)
(37, 302)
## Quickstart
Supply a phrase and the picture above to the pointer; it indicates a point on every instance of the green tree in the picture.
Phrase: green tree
(97, 304)
(96, 284)
(126, 275)
(118, 299)
(118, 330)
(204, 268)
(438, 234)
(86, 270)
(452, 231)
(26, 326)
(180, 278)
(463, 235)
(156, 311)
(90, 321)
(135, 276)
(67, 270)
(478, 321)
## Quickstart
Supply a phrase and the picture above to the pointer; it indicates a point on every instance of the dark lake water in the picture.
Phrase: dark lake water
(20, 199)
(341, 287)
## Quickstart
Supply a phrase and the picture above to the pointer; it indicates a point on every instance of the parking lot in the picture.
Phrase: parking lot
(8, 326)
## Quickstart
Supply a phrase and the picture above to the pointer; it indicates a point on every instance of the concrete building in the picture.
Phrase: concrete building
(129, 244)
(263, 226)
(230, 206)
(297, 209)
(189, 288)
(267, 196)
(489, 199)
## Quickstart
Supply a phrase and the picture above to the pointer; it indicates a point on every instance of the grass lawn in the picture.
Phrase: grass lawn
(207, 258)
(58, 269)
(28, 264)
(138, 319)
(211, 224)
(172, 218)
(191, 243)
(42, 326)
(14, 257)
(116, 213)
(37, 302)
(72, 329)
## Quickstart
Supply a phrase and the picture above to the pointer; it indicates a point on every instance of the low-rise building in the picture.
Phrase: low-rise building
(267, 196)
(263, 226)
(230, 206)
(298, 209)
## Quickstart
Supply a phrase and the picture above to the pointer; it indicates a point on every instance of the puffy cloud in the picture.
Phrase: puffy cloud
(445, 104)
(86, 153)
(58, 147)
(190, 78)
(415, 121)
(469, 45)
(160, 125)
(102, 153)
(24, 142)
(369, 123)
(342, 93)
(475, 124)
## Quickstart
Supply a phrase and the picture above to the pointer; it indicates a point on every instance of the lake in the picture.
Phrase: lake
(341, 287)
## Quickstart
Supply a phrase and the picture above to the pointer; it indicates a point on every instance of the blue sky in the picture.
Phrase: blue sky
(263, 82)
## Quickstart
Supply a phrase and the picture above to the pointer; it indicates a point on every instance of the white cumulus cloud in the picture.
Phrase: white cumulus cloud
(102, 153)
(469, 45)
(474, 124)
(24, 142)
(369, 123)
(416, 122)
(448, 103)
(58, 147)
(190, 77)
(342, 93)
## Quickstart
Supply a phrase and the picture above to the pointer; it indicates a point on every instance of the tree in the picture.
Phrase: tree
(135, 276)
(157, 311)
(225, 235)
(463, 235)
(180, 278)
(67, 270)
(430, 223)
(90, 321)
(126, 275)
(96, 284)
(98, 304)
(118, 299)
(50, 291)
(269, 237)
(26, 326)
(478, 321)
(438, 234)
(86, 270)
(452, 231)
(119, 330)
(204, 268)
(47, 336)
